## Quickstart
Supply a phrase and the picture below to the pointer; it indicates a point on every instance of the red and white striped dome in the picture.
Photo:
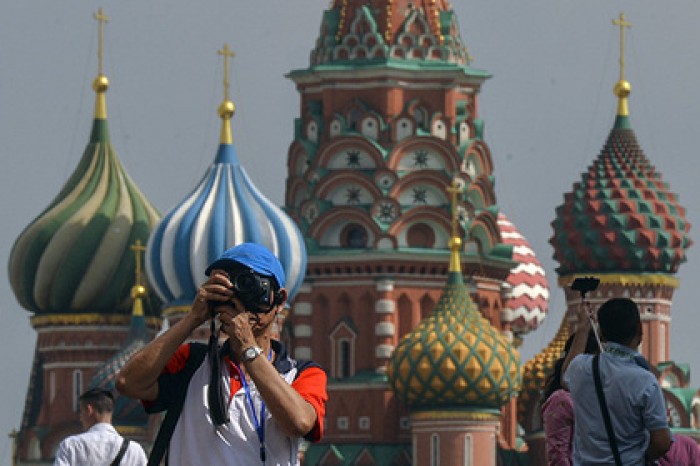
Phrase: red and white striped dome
(526, 305)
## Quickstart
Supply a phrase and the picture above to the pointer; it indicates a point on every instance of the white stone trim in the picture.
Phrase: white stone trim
(383, 351)
(384, 329)
(303, 331)
(385, 306)
(303, 308)
(73, 365)
(305, 288)
(302, 352)
(385, 285)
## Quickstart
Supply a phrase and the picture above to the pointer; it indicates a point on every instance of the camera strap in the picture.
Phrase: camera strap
(259, 423)
(604, 410)
(217, 405)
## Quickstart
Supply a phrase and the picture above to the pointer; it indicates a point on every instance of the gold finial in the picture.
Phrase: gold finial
(227, 108)
(101, 83)
(455, 242)
(138, 291)
(622, 87)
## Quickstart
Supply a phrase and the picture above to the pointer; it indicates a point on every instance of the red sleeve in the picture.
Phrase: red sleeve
(175, 364)
(177, 360)
(311, 385)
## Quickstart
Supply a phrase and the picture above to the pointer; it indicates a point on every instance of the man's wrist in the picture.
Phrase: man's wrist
(251, 353)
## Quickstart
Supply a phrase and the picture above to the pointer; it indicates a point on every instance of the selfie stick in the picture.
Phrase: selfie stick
(593, 325)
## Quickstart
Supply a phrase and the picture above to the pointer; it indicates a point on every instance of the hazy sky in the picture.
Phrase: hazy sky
(548, 109)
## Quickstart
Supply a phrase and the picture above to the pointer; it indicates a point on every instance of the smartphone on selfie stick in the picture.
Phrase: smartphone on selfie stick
(583, 285)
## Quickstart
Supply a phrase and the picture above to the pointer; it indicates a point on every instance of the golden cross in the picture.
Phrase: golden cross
(623, 24)
(138, 249)
(101, 18)
(226, 52)
(454, 189)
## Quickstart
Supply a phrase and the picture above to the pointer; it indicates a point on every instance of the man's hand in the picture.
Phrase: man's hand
(217, 289)
(238, 325)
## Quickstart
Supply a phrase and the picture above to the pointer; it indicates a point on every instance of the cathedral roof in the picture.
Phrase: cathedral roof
(225, 209)
(394, 32)
(454, 358)
(74, 257)
(528, 298)
(621, 216)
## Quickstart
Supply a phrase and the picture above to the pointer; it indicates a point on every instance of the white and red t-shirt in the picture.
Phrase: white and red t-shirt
(196, 440)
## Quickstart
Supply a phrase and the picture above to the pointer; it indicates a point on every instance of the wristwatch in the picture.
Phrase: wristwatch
(251, 353)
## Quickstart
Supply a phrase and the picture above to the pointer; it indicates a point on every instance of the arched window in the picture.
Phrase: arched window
(421, 117)
(420, 235)
(312, 131)
(342, 349)
(336, 128)
(404, 128)
(434, 450)
(354, 236)
(344, 358)
(353, 119)
(464, 133)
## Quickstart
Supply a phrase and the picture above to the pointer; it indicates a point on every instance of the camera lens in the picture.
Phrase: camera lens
(253, 291)
(247, 283)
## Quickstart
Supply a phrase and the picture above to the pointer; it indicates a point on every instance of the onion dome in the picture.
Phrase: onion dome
(535, 374)
(526, 306)
(224, 209)
(454, 358)
(621, 217)
(415, 31)
(74, 257)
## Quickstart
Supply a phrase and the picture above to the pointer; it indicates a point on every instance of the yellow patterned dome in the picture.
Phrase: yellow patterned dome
(535, 374)
(454, 358)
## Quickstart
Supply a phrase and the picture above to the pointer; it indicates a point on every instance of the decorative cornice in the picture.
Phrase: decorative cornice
(456, 414)
(52, 320)
(624, 279)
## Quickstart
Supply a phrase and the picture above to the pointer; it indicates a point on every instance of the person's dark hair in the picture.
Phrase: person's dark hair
(100, 399)
(619, 320)
(554, 380)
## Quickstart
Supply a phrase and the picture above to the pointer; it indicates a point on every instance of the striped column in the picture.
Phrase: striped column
(385, 324)
(301, 320)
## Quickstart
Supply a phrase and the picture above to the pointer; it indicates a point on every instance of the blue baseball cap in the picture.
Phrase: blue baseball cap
(252, 255)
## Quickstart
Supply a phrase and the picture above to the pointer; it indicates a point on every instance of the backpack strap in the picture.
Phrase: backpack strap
(120, 454)
(167, 427)
(604, 410)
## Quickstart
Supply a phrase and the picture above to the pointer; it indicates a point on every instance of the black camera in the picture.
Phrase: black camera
(585, 284)
(253, 291)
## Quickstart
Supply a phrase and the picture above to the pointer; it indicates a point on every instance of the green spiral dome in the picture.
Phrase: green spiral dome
(76, 257)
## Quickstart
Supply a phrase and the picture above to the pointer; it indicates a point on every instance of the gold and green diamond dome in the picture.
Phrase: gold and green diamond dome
(454, 358)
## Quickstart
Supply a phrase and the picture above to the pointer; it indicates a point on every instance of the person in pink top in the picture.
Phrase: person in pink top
(683, 452)
(558, 410)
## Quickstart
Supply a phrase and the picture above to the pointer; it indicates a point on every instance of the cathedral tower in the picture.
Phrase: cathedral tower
(389, 116)
(623, 225)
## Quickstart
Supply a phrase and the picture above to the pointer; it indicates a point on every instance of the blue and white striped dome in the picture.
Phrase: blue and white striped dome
(225, 209)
